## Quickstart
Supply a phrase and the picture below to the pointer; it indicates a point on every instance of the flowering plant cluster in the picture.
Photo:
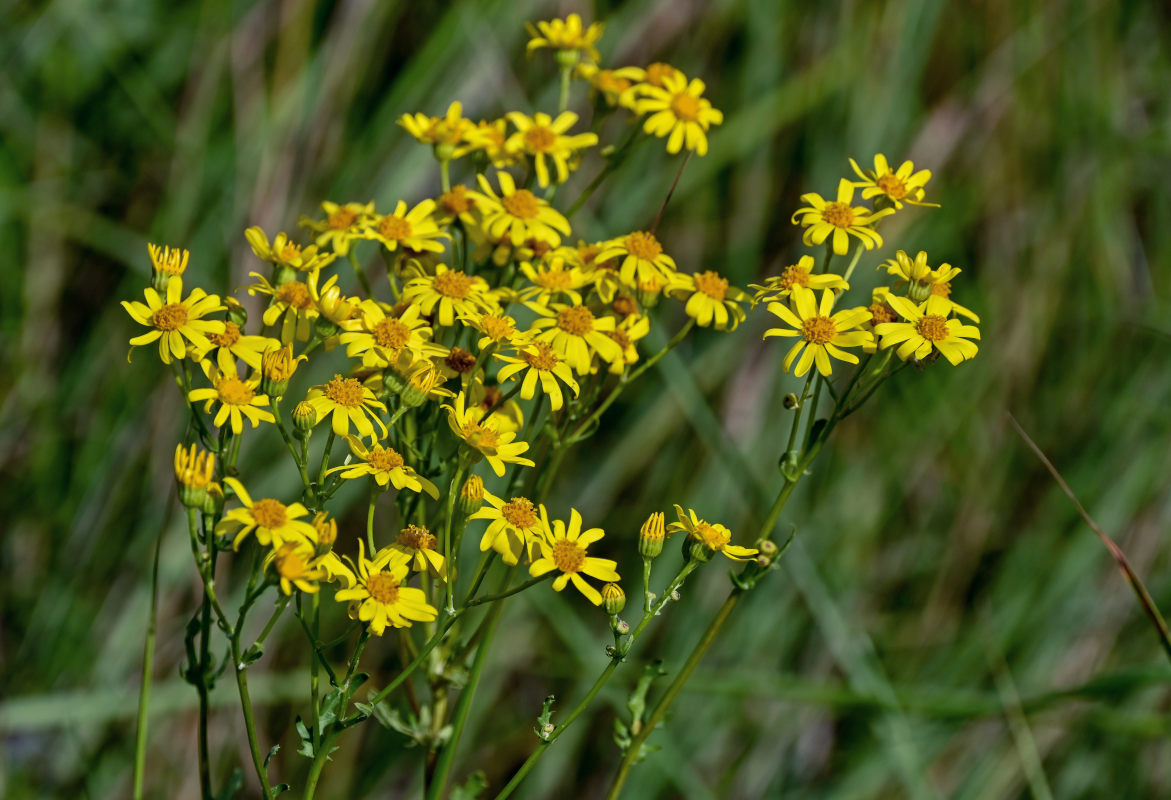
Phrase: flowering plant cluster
(495, 341)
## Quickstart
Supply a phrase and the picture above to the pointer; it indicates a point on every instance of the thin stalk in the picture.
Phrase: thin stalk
(298, 454)
(321, 469)
(361, 273)
(148, 654)
(370, 516)
(452, 490)
(679, 174)
(508, 593)
(249, 716)
(314, 670)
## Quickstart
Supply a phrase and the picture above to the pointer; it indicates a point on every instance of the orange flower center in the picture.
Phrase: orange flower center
(345, 392)
(519, 512)
(840, 215)
(715, 538)
(384, 459)
(394, 227)
(383, 588)
(270, 513)
(539, 248)
(620, 337)
(942, 289)
(711, 284)
(881, 312)
(624, 306)
(391, 333)
(932, 327)
(417, 538)
(498, 328)
(295, 295)
(460, 360)
(892, 185)
(794, 276)
(234, 392)
(229, 337)
(290, 252)
(170, 317)
(607, 81)
(456, 201)
(290, 563)
(575, 320)
(588, 253)
(453, 283)
(657, 72)
(568, 556)
(685, 107)
(341, 219)
(544, 358)
(643, 245)
(555, 279)
(521, 204)
(819, 330)
(481, 437)
(540, 139)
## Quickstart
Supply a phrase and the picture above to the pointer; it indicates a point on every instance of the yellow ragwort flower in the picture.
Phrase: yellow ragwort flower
(564, 548)
(544, 139)
(286, 253)
(680, 112)
(194, 472)
(518, 213)
(177, 321)
(552, 278)
(568, 34)
(712, 301)
(712, 535)
(273, 521)
(540, 365)
(231, 344)
(418, 545)
(377, 588)
(837, 217)
(642, 257)
(237, 398)
(777, 287)
(894, 186)
(514, 527)
(615, 86)
(451, 131)
(342, 224)
(166, 263)
(576, 333)
(292, 303)
(376, 335)
(927, 329)
(627, 333)
(297, 566)
(821, 333)
(447, 293)
(411, 230)
(386, 466)
(486, 434)
(348, 401)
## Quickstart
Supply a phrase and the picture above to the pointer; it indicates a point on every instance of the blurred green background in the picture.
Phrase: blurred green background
(945, 626)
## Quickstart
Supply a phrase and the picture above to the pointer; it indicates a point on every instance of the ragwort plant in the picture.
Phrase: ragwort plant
(495, 341)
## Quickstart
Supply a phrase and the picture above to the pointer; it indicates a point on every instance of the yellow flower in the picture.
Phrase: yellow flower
(943, 289)
(418, 545)
(330, 303)
(452, 291)
(414, 229)
(551, 280)
(576, 334)
(927, 328)
(642, 257)
(486, 434)
(820, 334)
(455, 204)
(385, 465)
(564, 548)
(231, 344)
(657, 76)
(616, 86)
(497, 329)
(296, 565)
(713, 536)
(237, 398)
(776, 287)
(567, 34)
(342, 224)
(273, 521)
(540, 364)
(680, 112)
(713, 301)
(292, 301)
(543, 137)
(376, 335)
(377, 589)
(452, 129)
(166, 263)
(518, 213)
(349, 402)
(918, 277)
(632, 328)
(491, 138)
(514, 526)
(176, 321)
(283, 252)
(837, 217)
(903, 185)
(194, 472)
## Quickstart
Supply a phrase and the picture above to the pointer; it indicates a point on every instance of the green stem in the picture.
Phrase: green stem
(452, 490)
(492, 598)
(370, 517)
(298, 453)
(249, 717)
(445, 174)
(481, 572)
(148, 653)
(615, 161)
(563, 98)
(410, 668)
(321, 469)
(314, 671)
(361, 273)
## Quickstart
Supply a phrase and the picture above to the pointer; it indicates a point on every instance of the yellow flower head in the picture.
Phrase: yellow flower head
(490, 137)
(486, 435)
(455, 204)
(576, 333)
(616, 86)
(286, 253)
(553, 278)
(711, 536)
(176, 322)
(518, 213)
(296, 566)
(642, 259)
(238, 398)
(542, 365)
(447, 293)
(822, 218)
(348, 401)
(273, 521)
(680, 112)
(626, 335)
(514, 527)
(565, 548)
(928, 329)
(232, 344)
(414, 229)
(378, 333)
(920, 279)
(386, 466)
(711, 300)
(893, 186)
(777, 287)
(379, 595)
(418, 545)
(544, 139)
(569, 34)
(497, 329)
(451, 133)
(194, 471)
(342, 224)
(821, 333)
(166, 263)
(292, 303)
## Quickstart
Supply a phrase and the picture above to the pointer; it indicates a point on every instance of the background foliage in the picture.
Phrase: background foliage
(944, 626)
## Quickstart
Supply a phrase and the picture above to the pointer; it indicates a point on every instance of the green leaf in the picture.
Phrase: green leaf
(473, 787)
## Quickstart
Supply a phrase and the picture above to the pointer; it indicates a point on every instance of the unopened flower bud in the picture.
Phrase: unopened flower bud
(166, 263)
(650, 538)
(567, 58)
(419, 385)
(326, 529)
(918, 292)
(194, 470)
(768, 548)
(471, 495)
(613, 599)
(213, 503)
(324, 327)
(697, 550)
(444, 151)
(619, 626)
(791, 402)
(304, 419)
(277, 366)
(282, 274)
